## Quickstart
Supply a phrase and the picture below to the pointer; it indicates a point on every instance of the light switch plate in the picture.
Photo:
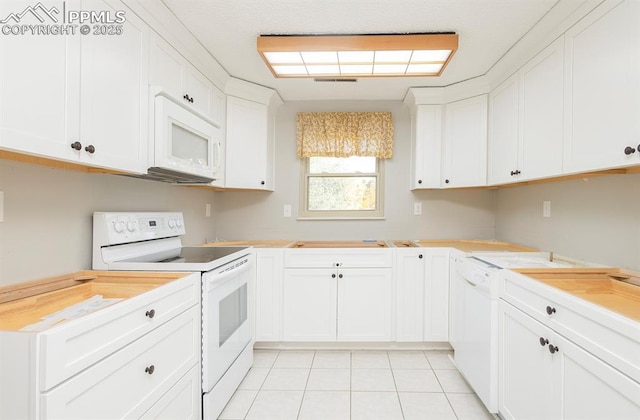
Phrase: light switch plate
(546, 209)
(1, 206)
(287, 210)
(207, 210)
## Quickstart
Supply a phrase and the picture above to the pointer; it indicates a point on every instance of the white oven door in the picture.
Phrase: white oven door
(227, 317)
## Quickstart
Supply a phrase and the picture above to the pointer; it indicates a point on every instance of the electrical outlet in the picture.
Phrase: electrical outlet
(287, 210)
(417, 209)
(1, 206)
(207, 210)
(546, 209)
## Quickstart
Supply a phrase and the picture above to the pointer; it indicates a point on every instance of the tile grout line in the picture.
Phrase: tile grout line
(306, 384)
(396, 386)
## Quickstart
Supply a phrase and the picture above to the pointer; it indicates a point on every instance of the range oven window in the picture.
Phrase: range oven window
(233, 313)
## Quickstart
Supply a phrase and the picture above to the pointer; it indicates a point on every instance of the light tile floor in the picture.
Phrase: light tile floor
(353, 385)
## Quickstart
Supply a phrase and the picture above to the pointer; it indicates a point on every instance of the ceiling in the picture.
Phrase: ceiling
(228, 29)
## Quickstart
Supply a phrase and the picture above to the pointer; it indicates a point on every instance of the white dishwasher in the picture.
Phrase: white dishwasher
(476, 312)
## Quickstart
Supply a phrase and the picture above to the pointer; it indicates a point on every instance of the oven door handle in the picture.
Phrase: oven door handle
(212, 280)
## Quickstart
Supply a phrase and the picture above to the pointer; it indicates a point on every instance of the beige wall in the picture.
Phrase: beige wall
(47, 216)
(597, 220)
(446, 214)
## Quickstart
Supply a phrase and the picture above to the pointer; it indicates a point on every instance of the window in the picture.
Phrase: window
(342, 187)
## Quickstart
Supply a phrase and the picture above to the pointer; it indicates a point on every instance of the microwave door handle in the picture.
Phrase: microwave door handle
(218, 156)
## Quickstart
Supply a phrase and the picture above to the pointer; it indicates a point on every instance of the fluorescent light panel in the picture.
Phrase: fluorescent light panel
(358, 55)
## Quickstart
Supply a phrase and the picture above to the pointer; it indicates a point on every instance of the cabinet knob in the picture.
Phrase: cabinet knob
(516, 172)
(90, 148)
(629, 150)
(339, 276)
(186, 97)
(191, 99)
(551, 310)
(262, 182)
(543, 341)
(552, 348)
(151, 313)
(420, 256)
(333, 276)
(419, 181)
(150, 369)
(76, 145)
(446, 181)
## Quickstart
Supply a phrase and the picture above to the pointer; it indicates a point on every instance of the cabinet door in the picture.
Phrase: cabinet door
(182, 401)
(526, 370)
(426, 141)
(166, 68)
(365, 304)
(269, 265)
(246, 159)
(200, 91)
(503, 132)
(309, 304)
(39, 82)
(541, 116)
(465, 143)
(436, 295)
(114, 93)
(592, 389)
(409, 280)
(602, 92)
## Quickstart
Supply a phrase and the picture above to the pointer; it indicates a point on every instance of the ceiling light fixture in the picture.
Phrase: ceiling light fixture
(392, 55)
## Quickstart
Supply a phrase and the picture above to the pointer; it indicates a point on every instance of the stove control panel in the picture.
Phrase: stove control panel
(120, 228)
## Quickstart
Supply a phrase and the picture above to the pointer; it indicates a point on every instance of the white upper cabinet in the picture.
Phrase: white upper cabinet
(173, 74)
(541, 114)
(114, 104)
(250, 146)
(602, 89)
(503, 131)
(86, 112)
(464, 145)
(426, 139)
(525, 120)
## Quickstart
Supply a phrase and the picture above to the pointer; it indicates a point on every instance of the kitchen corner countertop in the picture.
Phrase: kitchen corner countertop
(255, 244)
(474, 245)
(461, 244)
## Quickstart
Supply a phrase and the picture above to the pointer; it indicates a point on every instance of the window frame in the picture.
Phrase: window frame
(305, 214)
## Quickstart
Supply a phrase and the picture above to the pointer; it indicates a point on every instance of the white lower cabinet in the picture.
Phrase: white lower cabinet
(409, 273)
(422, 294)
(269, 266)
(436, 294)
(146, 369)
(325, 304)
(543, 375)
(139, 357)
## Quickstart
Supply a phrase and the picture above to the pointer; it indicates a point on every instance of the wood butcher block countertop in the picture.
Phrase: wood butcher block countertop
(612, 288)
(475, 246)
(255, 244)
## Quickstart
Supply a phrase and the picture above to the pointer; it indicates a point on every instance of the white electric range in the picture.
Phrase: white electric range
(151, 242)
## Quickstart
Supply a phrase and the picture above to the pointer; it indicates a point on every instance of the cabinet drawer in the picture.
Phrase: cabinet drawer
(337, 257)
(129, 382)
(182, 401)
(76, 345)
(609, 336)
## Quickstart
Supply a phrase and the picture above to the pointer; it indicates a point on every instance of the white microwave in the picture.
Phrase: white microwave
(186, 148)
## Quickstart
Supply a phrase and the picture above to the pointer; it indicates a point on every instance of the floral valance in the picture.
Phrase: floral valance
(344, 134)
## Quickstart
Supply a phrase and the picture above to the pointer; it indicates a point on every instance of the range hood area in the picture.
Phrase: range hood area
(172, 176)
